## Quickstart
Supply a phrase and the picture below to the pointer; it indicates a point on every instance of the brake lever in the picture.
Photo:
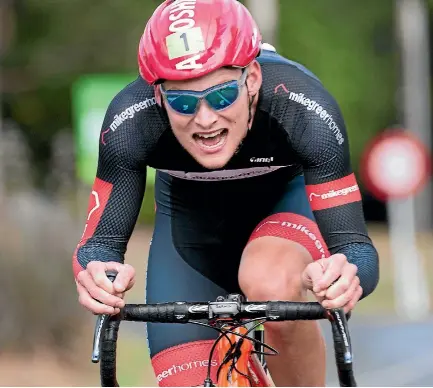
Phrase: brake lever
(100, 324)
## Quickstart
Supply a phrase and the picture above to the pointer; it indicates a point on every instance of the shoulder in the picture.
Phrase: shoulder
(133, 100)
(295, 97)
(269, 56)
(289, 82)
(132, 125)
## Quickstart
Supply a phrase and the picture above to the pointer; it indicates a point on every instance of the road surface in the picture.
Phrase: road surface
(387, 352)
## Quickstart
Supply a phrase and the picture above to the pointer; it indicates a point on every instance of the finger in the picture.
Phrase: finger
(342, 299)
(131, 284)
(98, 293)
(125, 279)
(320, 294)
(92, 305)
(98, 269)
(343, 283)
(351, 305)
(334, 267)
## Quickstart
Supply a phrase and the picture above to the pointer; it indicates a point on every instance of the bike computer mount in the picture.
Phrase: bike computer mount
(226, 307)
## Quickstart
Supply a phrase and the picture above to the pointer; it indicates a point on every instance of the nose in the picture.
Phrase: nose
(205, 116)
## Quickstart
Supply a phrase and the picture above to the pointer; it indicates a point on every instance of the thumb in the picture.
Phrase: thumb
(312, 275)
(125, 279)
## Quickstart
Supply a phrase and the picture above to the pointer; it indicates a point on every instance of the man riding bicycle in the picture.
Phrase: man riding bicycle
(254, 189)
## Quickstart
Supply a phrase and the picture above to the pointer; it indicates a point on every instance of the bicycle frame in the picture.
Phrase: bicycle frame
(248, 364)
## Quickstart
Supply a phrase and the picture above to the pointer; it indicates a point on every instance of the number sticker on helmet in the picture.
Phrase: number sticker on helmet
(186, 42)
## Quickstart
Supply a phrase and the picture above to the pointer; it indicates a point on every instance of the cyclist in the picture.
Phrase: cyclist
(254, 189)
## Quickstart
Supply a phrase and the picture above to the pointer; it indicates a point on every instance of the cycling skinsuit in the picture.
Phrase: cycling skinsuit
(291, 177)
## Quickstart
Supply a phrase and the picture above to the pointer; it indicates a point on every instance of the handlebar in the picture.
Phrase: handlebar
(182, 312)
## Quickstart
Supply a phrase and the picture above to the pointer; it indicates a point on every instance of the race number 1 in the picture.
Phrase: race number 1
(185, 42)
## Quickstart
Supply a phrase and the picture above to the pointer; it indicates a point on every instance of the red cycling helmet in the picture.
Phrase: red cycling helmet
(186, 39)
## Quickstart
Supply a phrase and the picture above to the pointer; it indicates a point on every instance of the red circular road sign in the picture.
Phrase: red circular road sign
(395, 165)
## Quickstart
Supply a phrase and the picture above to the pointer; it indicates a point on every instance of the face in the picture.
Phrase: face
(212, 136)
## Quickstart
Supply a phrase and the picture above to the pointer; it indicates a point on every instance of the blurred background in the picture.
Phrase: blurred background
(62, 61)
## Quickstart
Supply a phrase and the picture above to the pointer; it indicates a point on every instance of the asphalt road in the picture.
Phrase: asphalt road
(387, 352)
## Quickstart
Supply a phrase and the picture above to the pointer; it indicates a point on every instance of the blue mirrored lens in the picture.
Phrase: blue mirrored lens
(183, 103)
(222, 98)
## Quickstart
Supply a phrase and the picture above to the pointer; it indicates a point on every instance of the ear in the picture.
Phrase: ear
(158, 95)
(254, 78)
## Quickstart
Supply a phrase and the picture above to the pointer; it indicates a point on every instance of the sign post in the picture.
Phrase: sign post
(395, 167)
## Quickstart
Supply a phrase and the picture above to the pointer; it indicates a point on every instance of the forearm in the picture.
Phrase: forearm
(112, 213)
(366, 258)
(96, 250)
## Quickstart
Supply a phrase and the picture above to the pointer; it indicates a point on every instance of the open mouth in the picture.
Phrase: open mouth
(212, 140)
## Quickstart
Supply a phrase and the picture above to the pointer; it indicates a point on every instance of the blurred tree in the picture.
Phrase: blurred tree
(350, 46)
(57, 41)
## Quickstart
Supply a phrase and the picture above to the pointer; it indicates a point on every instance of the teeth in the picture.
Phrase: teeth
(200, 140)
(213, 146)
(209, 135)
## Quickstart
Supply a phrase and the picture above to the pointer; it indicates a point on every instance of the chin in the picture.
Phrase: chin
(213, 159)
(213, 162)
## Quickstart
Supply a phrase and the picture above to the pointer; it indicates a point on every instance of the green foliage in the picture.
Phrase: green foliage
(56, 42)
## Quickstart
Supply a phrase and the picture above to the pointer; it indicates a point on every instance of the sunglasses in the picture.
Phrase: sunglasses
(218, 97)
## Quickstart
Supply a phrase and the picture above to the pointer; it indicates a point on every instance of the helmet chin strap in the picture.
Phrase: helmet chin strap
(250, 118)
